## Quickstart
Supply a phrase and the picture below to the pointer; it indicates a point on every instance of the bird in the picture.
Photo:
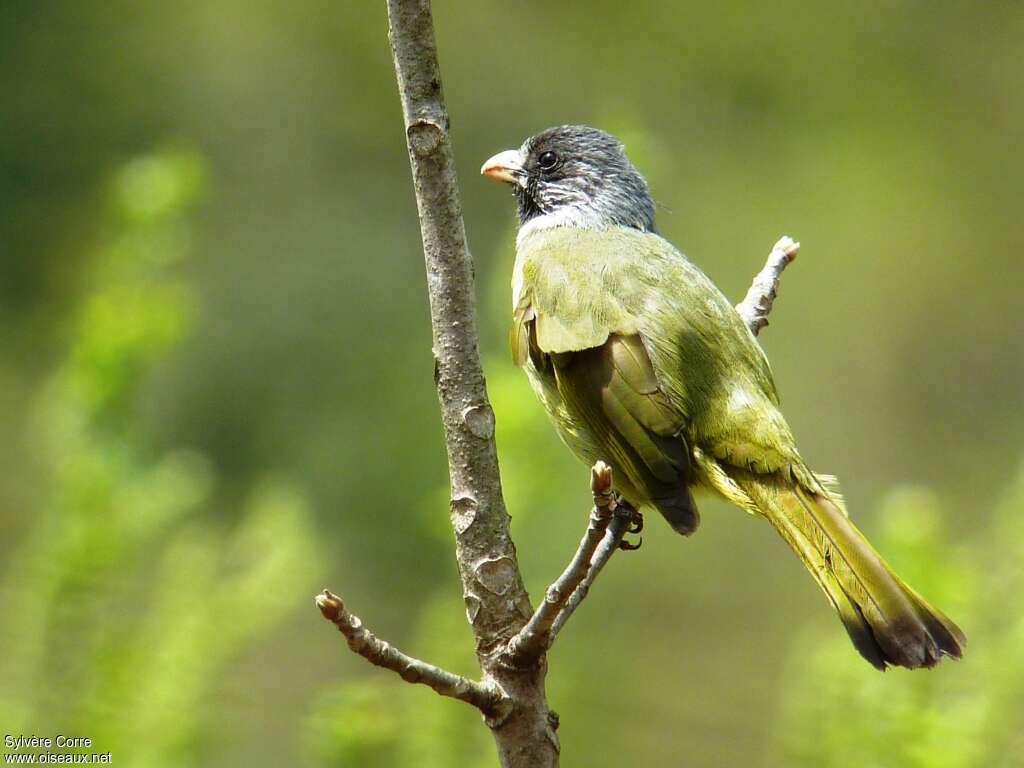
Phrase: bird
(641, 361)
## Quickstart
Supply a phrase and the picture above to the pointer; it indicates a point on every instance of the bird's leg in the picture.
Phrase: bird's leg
(635, 521)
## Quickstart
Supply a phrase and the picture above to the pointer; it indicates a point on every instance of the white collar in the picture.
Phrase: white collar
(563, 217)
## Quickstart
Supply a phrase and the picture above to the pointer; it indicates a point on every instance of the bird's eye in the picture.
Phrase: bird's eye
(547, 160)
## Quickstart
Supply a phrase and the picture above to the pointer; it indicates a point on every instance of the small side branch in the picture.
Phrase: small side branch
(624, 520)
(489, 699)
(535, 638)
(610, 520)
(759, 299)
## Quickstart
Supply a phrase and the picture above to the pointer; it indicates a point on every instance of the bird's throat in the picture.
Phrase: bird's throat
(529, 208)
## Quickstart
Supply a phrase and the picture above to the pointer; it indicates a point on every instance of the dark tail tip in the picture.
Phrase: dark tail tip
(913, 640)
(680, 511)
(941, 637)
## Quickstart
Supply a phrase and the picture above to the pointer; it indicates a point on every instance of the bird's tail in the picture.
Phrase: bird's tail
(888, 622)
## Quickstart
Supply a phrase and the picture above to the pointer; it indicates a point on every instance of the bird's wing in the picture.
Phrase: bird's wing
(605, 380)
(579, 287)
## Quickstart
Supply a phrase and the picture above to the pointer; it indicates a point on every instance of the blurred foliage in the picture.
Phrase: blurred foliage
(127, 601)
(214, 341)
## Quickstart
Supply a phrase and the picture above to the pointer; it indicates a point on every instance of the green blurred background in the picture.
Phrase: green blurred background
(216, 395)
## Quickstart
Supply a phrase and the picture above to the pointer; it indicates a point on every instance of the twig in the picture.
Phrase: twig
(536, 637)
(624, 517)
(489, 699)
(758, 302)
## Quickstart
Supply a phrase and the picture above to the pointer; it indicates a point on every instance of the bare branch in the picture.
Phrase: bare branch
(536, 637)
(478, 509)
(624, 519)
(497, 605)
(758, 302)
(488, 699)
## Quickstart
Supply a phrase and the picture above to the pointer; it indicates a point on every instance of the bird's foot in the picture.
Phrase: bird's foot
(635, 520)
(636, 525)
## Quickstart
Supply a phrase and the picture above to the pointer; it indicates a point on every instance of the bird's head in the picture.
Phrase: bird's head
(574, 175)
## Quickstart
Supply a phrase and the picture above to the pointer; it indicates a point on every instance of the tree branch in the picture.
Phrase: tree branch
(504, 624)
(489, 699)
(623, 521)
(485, 553)
(497, 605)
(759, 299)
(536, 637)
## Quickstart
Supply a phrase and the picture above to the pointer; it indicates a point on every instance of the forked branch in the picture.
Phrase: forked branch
(536, 637)
(624, 520)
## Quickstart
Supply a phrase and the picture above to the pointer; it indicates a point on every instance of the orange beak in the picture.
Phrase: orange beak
(505, 166)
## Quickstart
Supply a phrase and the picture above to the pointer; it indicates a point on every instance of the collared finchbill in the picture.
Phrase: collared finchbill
(642, 362)
(504, 166)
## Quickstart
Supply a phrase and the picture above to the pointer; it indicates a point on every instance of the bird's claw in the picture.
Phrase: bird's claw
(635, 523)
(628, 546)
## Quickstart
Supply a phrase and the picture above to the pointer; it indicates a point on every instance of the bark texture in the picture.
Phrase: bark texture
(497, 605)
